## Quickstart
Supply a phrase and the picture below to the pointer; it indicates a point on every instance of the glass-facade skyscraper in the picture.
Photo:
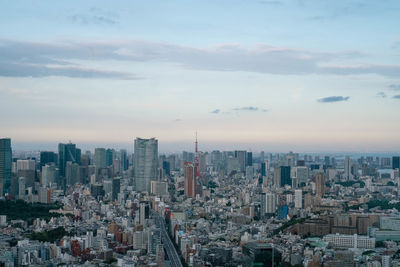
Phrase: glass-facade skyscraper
(5, 165)
(145, 163)
(67, 152)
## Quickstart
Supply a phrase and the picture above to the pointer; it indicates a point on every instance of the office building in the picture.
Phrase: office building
(298, 199)
(189, 179)
(49, 174)
(116, 188)
(270, 206)
(145, 163)
(5, 165)
(100, 158)
(282, 176)
(263, 169)
(350, 241)
(241, 156)
(249, 159)
(47, 157)
(396, 162)
(320, 184)
(159, 188)
(390, 223)
(26, 165)
(124, 159)
(67, 152)
(347, 169)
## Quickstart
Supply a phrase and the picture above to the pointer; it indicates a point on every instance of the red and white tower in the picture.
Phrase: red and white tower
(198, 190)
(196, 159)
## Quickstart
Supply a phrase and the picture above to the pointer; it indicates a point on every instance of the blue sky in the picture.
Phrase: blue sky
(261, 75)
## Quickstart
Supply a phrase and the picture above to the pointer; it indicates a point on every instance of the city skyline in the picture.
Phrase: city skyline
(263, 75)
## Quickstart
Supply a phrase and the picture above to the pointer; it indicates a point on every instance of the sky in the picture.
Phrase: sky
(273, 75)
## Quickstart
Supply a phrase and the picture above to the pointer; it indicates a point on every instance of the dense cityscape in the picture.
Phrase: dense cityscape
(208, 133)
(197, 208)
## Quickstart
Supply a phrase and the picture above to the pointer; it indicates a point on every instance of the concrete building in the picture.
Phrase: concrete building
(298, 199)
(350, 241)
(145, 163)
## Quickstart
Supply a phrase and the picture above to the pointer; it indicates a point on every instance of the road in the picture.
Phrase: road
(169, 247)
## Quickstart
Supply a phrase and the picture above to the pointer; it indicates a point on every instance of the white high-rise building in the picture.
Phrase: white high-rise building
(347, 168)
(49, 173)
(100, 158)
(145, 163)
(142, 213)
(298, 199)
(300, 175)
(270, 203)
(26, 164)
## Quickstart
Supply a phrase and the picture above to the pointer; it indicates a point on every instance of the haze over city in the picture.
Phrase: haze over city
(313, 76)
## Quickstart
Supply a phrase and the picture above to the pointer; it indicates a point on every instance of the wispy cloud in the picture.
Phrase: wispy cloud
(229, 57)
(29, 59)
(250, 108)
(331, 99)
(383, 70)
(381, 94)
(240, 109)
(394, 87)
(95, 16)
(36, 71)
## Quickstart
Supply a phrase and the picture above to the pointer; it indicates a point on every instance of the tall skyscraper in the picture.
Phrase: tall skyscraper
(100, 158)
(124, 159)
(396, 162)
(67, 152)
(249, 159)
(270, 203)
(263, 206)
(241, 156)
(109, 156)
(47, 157)
(189, 179)
(145, 163)
(298, 198)
(116, 187)
(263, 169)
(5, 165)
(285, 175)
(320, 184)
(347, 168)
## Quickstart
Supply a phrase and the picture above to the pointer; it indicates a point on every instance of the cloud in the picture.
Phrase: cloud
(29, 59)
(392, 71)
(396, 96)
(381, 94)
(331, 99)
(395, 87)
(246, 109)
(226, 57)
(36, 71)
(95, 16)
